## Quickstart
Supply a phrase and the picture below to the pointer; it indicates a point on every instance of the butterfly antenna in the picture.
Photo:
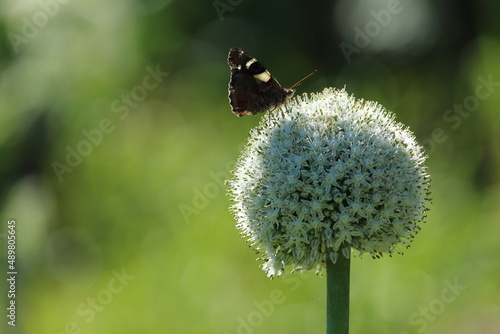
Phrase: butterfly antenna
(307, 76)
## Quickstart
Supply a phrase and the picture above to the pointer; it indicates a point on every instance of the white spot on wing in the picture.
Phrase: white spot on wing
(250, 62)
(264, 76)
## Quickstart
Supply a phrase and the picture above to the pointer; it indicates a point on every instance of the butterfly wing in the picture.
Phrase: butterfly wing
(252, 89)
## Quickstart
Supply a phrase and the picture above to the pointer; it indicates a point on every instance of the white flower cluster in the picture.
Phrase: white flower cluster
(324, 175)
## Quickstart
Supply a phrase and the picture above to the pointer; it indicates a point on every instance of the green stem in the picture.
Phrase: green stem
(337, 300)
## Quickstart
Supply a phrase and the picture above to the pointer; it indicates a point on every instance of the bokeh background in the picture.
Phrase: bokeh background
(116, 136)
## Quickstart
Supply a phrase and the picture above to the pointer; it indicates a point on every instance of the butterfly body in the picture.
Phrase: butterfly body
(252, 89)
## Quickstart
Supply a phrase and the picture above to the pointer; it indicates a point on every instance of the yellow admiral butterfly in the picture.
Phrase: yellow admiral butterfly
(252, 89)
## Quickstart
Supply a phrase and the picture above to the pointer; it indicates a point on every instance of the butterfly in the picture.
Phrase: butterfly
(252, 89)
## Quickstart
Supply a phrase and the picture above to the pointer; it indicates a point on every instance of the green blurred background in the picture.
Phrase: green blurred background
(116, 136)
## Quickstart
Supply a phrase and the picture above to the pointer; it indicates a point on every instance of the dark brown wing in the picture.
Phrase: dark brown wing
(252, 89)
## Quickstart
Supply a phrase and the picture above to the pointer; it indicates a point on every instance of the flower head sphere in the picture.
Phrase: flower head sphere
(325, 175)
